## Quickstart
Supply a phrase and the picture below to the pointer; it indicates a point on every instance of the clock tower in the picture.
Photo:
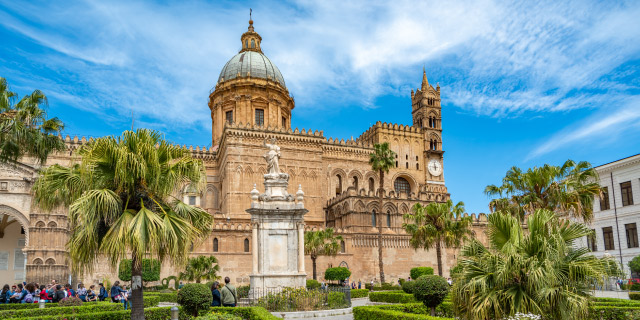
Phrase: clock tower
(426, 112)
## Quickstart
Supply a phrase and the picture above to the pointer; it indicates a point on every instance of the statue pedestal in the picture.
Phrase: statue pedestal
(278, 237)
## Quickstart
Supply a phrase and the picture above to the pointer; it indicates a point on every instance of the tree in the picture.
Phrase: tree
(634, 264)
(566, 189)
(431, 291)
(337, 274)
(435, 225)
(382, 159)
(150, 270)
(321, 243)
(195, 298)
(24, 127)
(537, 270)
(201, 268)
(121, 203)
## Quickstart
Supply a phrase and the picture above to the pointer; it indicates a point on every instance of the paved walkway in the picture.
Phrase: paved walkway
(611, 294)
(346, 316)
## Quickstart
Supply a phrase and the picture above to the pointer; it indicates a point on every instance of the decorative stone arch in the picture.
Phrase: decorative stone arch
(248, 172)
(212, 197)
(303, 175)
(337, 184)
(359, 206)
(389, 207)
(404, 208)
(376, 181)
(21, 218)
(38, 261)
(40, 224)
(345, 208)
(373, 205)
(52, 224)
(262, 170)
(357, 174)
(50, 261)
(409, 178)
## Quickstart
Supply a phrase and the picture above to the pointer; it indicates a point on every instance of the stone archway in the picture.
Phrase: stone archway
(14, 238)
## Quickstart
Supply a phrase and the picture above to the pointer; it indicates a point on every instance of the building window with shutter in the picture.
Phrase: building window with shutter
(591, 241)
(607, 234)
(229, 116)
(604, 201)
(259, 117)
(632, 235)
(627, 195)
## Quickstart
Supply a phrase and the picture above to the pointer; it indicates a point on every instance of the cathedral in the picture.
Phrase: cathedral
(250, 103)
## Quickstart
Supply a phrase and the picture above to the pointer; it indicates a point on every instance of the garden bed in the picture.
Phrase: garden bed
(412, 311)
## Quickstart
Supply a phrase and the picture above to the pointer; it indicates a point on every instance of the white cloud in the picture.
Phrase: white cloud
(492, 58)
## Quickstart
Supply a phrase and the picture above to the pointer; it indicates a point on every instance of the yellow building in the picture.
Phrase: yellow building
(249, 103)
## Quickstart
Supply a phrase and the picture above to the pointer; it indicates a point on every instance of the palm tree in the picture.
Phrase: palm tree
(536, 271)
(121, 203)
(201, 268)
(567, 189)
(24, 127)
(321, 243)
(382, 159)
(435, 225)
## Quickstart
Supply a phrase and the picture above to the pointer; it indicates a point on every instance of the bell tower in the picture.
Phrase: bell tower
(426, 112)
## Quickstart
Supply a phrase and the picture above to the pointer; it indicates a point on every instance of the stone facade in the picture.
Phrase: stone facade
(249, 104)
(616, 216)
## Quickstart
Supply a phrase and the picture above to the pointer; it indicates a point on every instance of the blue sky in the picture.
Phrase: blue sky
(523, 83)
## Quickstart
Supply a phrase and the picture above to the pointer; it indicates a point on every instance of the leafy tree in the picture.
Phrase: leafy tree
(150, 270)
(321, 243)
(435, 225)
(417, 272)
(566, 189)
(24, 127)
(337, 273)
(120, 203)
(431, 291)
(536, 271)
(201, 268)
(634, 264)
(382, 159)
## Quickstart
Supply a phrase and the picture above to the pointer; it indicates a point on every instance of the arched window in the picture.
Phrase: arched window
(246, 44)
(373, 218)
(338, 184)
(371, 184)
(355, 182)
(50, 261)
(417, 166)
(246, 245)
(396, 164)
(402, 185)
(406, 164)
(343, 248)
(253, 43)
(388, 219)
(215, 244)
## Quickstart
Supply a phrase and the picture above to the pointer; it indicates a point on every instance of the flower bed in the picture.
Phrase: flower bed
(394, 313)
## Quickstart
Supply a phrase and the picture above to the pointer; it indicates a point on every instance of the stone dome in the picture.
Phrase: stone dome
(253, 64)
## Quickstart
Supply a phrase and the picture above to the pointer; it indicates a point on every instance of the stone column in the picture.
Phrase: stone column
(254, 244)
(300, 247)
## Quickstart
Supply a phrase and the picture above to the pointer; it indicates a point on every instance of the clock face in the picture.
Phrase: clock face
(435, 167)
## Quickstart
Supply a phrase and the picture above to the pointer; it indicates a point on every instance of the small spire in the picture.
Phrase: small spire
(250, 20)
(425, 83)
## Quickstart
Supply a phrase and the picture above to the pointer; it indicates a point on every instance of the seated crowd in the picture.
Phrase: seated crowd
(53, 292)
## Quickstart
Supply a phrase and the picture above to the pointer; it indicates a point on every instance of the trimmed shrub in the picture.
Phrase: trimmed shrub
(218, 316)
(401, 281)
(431, 290)
(399, 312)
(195, 297)
(27, 313)
(634, 264)
(243, 291)
(336, 300)
(337, 273)
(150, 270)
(408, 286)
(387, 287)
(391, 297)
(313, 284)
(70, 302)
(162, 297)
(359, 293)
(247, 313)
(634, 295)
(614, 313)
(635, 287)
(418, 272)
(293, 299)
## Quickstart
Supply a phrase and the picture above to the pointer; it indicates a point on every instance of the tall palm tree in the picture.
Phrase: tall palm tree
(567, 189)
(24, 127)
(382, 159)
(435, 225)
(121, 203)
(536, 271)
(201, 268)
(321, 243)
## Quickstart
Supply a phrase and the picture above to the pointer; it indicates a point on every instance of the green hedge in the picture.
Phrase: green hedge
(359, 293)
(391, 313)
(391, 297)
(163, 297)
(613, 313)
(22, 306)
(247, 313)
(10, 314)
(634, 295)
